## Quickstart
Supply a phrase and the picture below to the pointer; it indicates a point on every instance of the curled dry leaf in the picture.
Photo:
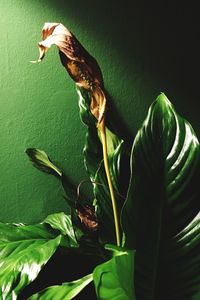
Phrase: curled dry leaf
(87, 217)
(80, 65)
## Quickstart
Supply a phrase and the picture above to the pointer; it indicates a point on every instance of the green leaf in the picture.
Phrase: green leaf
(161, 215)
(25, 249)
(42, 162)
(114, 278)
(92, 150)
(66, 291)
(84, 107)
(63, 223)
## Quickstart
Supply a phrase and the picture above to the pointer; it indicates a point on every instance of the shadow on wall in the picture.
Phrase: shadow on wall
(156, 38)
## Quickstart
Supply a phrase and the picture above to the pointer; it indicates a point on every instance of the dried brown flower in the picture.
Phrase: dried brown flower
(80, 65)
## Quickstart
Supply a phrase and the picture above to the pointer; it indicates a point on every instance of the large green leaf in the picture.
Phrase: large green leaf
(114, 278)
(160, 217)
(66, 291)
(25, 249)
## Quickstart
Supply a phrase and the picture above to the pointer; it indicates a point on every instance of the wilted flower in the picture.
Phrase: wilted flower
(87, 217)
(80, 65)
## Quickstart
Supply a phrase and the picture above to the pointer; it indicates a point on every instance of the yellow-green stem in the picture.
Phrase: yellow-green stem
(102, 130)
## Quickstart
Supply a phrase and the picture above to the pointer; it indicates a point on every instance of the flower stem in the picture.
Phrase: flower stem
(102, 130)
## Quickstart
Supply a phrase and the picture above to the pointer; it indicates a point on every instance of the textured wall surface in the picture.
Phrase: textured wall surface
(142, 51)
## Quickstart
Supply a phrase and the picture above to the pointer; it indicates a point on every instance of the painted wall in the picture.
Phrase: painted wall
(142, 50)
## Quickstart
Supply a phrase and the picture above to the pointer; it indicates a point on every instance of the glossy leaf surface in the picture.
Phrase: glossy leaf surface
(25, 249)
(23, 254)
(66, 291)
(63, 223)
(114, 278)
(160, 217)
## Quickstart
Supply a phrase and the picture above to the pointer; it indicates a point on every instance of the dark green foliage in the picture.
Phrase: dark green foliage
(161, 214)
(93, 158)
(25, 249)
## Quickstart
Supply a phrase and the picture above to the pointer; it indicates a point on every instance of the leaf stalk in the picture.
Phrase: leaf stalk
(102, 130)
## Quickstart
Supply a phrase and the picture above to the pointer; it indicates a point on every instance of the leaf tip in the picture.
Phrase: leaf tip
(29, 151)
(163, 100)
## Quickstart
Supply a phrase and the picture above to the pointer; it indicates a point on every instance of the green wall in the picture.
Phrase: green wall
(142, 49)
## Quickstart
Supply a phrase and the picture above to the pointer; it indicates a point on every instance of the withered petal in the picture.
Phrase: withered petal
(87, 217)
(98, 104)
(52, 34)
(80, 65)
